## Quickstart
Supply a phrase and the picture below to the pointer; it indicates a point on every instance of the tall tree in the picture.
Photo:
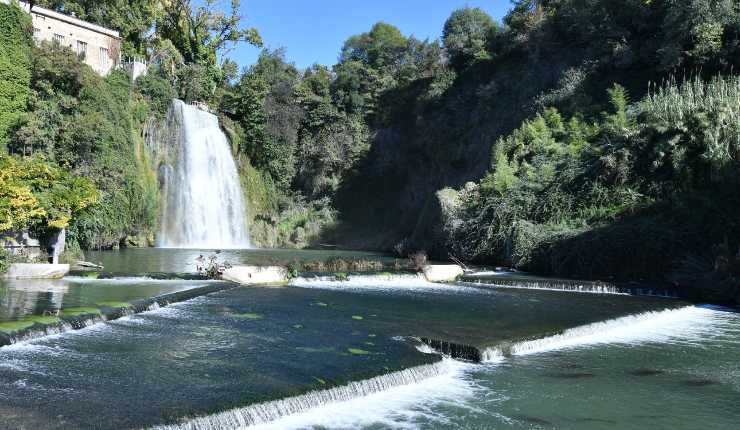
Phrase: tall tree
(201, 33)
(466, 36)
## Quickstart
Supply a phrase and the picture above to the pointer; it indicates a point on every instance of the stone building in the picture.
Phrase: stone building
(99, 47)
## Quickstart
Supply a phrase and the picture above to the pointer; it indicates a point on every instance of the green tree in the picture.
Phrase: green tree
(38, 194)
(201, 32)
(466, 36)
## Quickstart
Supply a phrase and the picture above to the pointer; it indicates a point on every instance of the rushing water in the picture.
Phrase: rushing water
(203, 204)
(325, 354)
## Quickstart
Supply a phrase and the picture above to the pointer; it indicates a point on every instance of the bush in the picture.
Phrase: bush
(158, 92)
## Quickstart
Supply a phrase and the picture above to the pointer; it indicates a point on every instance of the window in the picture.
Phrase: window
(59, 39)
(82, 48)
(104, 58)
(36, 32)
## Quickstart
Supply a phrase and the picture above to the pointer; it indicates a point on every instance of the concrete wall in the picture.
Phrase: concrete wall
(20, 243)
(99, 46)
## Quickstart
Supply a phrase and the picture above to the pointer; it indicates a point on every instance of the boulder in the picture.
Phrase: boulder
(37, 271)
(442, 272)
(252, 275)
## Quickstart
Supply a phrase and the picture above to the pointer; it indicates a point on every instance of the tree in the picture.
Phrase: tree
(34, 192)
(382, 47)
(201, 33)
(265, 106)
(466, 36)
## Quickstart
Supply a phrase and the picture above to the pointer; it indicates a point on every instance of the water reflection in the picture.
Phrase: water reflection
(19, 298)
(23, 297)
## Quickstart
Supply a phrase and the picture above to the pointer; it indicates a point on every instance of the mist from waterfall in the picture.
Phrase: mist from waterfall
(203, 204)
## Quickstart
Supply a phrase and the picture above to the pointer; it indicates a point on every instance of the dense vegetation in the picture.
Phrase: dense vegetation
(15, 59)
(574, 138)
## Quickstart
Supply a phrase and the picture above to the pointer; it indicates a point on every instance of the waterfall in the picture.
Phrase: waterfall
(203, 206)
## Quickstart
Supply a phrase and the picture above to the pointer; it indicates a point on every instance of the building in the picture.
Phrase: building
(99, 47)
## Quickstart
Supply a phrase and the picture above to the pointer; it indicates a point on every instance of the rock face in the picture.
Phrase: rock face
(37, 271)
(442, 273)
(252, 275)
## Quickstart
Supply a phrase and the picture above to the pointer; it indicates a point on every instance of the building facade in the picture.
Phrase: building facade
(99, 47)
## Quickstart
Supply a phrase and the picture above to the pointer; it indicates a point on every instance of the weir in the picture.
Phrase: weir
(203, 205)
(687, 323)
(595, 287)
(78, 322)
(646, 326)
(267, 412)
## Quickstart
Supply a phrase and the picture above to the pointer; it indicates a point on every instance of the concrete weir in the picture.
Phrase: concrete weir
(454, 350)
(253, 275)
(37, 271)
(61, 324)
(442, 272)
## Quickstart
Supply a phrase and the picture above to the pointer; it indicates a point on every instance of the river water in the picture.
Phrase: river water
(336, 355)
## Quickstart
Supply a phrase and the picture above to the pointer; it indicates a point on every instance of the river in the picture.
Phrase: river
(327, 354)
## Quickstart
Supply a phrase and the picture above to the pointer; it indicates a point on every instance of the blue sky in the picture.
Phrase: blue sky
(313, 31)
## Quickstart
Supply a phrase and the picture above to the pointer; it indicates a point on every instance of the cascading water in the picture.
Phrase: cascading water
(203, 203)
(271, 411)
(689, 323)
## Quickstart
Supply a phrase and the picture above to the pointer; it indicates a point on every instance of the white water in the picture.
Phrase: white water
(203, 204)
(389, 282)
(689, 324)
(401, 400)
(341, 402)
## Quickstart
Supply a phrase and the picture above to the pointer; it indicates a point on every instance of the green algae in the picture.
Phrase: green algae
(357, 317)
(315, 350)
(27, 322)
(74, 312)
(116, 305)
(357, 351)
(248, 316)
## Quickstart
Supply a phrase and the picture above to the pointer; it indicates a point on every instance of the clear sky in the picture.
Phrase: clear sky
(313, 31)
